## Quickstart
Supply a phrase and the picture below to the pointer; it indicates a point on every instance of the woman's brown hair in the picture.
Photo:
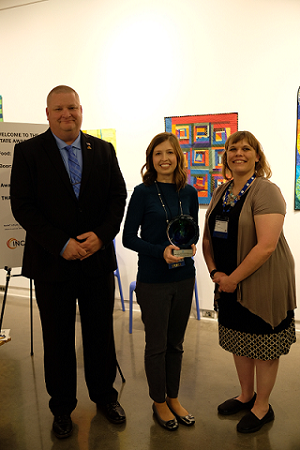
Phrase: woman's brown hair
(180, 176)
(262, 168)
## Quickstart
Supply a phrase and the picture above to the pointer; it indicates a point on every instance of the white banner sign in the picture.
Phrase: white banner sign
(12, 235)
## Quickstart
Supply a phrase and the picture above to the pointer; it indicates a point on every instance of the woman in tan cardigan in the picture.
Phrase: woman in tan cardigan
(253, 270)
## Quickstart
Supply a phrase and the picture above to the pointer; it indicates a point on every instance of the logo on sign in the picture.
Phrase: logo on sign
(13, 243)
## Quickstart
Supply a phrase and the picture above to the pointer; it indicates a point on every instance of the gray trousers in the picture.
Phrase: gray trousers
(165, 312)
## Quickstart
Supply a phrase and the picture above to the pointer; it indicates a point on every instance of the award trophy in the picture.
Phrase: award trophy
(183, 231)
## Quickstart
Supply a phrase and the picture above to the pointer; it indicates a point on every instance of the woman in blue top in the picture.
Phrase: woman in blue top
(165, 282)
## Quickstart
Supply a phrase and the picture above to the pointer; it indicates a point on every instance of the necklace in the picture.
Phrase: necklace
(229, 199)
(162, 202)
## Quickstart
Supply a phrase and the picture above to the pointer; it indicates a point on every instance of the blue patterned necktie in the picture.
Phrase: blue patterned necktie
(74, 169)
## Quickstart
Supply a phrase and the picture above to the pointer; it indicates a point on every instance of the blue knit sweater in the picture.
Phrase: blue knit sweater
(145, 212)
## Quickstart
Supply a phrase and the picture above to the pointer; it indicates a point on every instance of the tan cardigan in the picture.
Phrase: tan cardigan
(270, 291)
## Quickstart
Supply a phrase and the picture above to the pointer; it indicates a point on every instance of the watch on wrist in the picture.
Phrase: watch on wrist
(212, 273)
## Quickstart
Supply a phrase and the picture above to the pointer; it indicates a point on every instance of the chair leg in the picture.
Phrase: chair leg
(121, 293)
(131, 289)
(197, 301)
(130, 311)
(120, 372)
(117, 274)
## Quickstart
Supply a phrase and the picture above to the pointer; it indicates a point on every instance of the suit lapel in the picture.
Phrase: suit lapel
(88, 151)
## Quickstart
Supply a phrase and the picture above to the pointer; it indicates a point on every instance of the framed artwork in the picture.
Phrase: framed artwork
(107, 134)
(297, 162)
(202, 139)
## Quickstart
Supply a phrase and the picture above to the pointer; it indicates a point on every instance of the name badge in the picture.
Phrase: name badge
(221, 227)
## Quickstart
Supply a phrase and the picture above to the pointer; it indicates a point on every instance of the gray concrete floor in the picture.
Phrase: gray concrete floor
(208, 378)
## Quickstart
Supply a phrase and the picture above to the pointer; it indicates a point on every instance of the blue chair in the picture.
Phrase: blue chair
(131, 290)
(117, 274)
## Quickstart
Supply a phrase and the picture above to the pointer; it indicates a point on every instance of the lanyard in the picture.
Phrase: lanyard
(236, 197)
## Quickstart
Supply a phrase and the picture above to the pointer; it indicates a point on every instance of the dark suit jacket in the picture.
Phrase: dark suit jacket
(44, 203)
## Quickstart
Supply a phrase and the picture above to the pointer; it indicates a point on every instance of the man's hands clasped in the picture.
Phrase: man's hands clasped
(81, 250)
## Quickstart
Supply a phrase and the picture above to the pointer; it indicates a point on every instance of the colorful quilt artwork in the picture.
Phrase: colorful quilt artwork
(202, 139)
(297, 175)
(107, 134)
(1, 109)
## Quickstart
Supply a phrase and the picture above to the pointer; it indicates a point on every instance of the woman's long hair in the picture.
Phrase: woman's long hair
(148, 172)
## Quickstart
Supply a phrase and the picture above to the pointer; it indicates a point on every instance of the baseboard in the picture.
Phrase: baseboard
(18, 291)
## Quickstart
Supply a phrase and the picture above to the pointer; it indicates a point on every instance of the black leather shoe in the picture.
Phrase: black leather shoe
(233, 406)
(250, 423)
(62, 426)
(170, 425)
(114, 412)
(187, 420)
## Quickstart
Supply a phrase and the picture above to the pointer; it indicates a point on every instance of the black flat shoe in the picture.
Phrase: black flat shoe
(187, 420)
(114, 412)
(62, 426)
(233, 406)
(250, 423)
(170, 425)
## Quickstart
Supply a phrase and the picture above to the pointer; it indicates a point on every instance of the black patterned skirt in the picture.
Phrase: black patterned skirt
(257, 346)
(245, 334)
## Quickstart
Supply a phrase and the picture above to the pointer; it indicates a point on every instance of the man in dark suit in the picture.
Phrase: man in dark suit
(68, 193)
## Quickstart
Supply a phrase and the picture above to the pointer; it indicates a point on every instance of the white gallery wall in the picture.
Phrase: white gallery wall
(135, 62)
